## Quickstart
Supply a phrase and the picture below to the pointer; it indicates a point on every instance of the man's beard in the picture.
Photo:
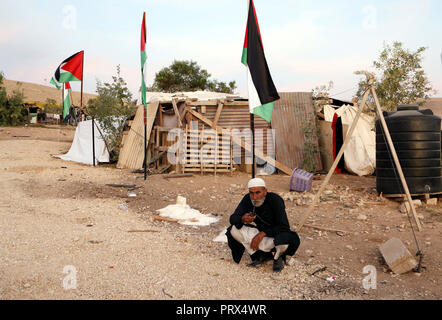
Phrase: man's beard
(258, 203)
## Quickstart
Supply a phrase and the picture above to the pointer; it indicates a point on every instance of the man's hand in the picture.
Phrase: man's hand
(248, 218)
(257, 240)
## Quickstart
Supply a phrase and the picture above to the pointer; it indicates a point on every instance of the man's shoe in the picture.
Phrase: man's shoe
(278, 265)
(260, 258)
(255, 263)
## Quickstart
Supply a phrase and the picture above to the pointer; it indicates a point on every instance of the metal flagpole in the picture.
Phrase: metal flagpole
(145, 143)
(252, 127)
(81, 99)
(62, 102)
(93, 141)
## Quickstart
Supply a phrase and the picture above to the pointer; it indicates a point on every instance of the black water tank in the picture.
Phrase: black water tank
(416, 136)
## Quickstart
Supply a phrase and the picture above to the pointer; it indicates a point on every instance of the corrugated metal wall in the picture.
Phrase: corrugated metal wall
(290, 113)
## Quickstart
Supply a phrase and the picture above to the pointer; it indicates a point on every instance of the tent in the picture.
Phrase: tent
(81, 148)
(360, 155)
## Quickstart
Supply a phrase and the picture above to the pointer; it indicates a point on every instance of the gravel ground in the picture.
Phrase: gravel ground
(55, 214)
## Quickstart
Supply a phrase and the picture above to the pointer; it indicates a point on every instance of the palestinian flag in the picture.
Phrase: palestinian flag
(262, 91)
(70, 69)
(143, 62)
(66, 99)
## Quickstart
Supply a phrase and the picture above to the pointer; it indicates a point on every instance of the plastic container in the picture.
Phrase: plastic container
(416, 136)
(301, 180)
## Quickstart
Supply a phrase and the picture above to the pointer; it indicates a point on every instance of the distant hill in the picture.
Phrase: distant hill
(435, 104)
(40, 93)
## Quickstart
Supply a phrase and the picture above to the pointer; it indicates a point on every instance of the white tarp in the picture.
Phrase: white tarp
(360, 154)
(186, 215)
(200, 95)
(81, 148)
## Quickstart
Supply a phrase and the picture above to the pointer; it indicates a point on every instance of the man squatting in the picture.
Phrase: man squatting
(260, 226)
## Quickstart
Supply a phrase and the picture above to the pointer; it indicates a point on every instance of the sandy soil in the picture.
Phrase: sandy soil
(55, 214)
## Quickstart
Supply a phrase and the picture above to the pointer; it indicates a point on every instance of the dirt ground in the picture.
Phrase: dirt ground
(65, 234)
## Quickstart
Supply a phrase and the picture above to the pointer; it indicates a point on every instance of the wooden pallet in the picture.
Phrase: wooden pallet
(206, 154)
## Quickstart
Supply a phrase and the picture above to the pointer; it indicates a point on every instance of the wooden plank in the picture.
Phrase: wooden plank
(160, 218)
(215, 103)
(173, 176)
(132, 152)
(247, 146)
(218, 113)
(175, 108)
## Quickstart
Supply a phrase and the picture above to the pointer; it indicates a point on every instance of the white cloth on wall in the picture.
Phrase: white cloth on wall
(360, 154)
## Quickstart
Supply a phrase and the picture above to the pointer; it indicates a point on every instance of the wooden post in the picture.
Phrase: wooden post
(175, 108)
(218, 113)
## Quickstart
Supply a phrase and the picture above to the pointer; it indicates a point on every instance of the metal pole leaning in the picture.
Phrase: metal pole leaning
(395, 158)
(338, 158)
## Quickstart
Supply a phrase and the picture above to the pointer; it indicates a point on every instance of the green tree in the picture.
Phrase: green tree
(111, 108)
(12, 112)
(402, 79)
(51, 106)
(188, 76)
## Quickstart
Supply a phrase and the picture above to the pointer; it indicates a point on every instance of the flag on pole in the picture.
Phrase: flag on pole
(143, 61)
(66, 99)
(262, 91)
(71, 69)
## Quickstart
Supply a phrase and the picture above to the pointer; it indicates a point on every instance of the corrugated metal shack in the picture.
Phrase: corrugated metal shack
(214, 134)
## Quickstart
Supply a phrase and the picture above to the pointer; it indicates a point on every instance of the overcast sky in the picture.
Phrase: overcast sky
(307, 43)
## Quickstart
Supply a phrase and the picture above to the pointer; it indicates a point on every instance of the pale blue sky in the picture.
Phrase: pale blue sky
(306, 43)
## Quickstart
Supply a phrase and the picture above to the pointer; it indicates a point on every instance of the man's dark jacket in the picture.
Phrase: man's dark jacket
(271, 218)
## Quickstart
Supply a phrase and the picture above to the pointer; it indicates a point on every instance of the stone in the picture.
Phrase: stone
(405, 206)
(431, 202)
(397, 256)
(362, 217)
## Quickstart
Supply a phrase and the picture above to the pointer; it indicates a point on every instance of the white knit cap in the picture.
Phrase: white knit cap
(257, 182)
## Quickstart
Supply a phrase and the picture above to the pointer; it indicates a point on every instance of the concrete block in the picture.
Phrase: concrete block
(397, 256)
(431, 202)
(405, 206)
